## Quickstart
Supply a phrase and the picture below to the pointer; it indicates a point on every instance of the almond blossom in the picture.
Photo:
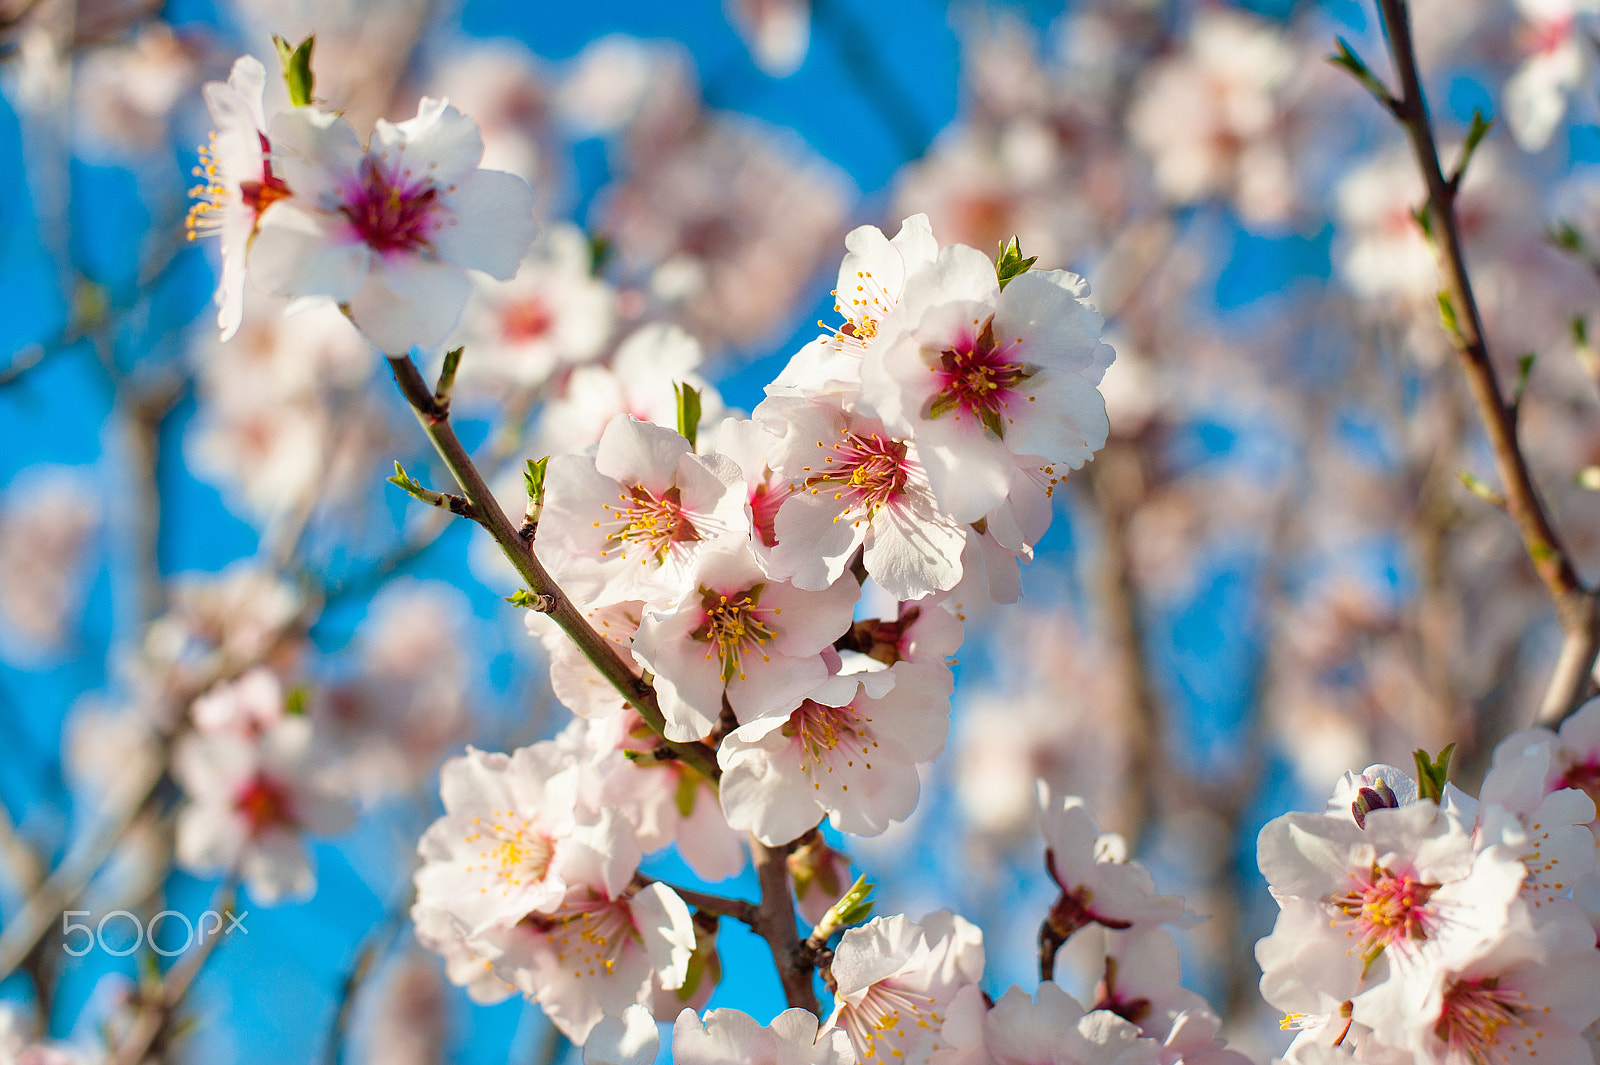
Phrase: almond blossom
(720, 1037)
(238, 180)
(553, 314)
(743, 637)
(1050, 1027)
(1528, 997)
(871, 278)
(666, 802)
(513, 837)
(1099, 885)
(1556, 62)
(597, 953)
(980, 377)
(852, 485)
(895, 981)
(638, 380)
(1370, 914)
(849, 751)
(255, 787)
(388, 231)
(632, 522)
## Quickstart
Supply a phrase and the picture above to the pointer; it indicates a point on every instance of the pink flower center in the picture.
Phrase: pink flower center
(830, 735)
(870, 471)
(1545, 36)
(1584, 776)
(765, 499)
(734, 626)
(264, 804)
(392, 212)
(1382, 909)
(977, 378)
(1473, 1016)
(526, 320)
(655, 522)
(213, 196)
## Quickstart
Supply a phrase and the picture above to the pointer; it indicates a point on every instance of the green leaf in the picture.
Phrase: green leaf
(1478, 487)
(296, 64)
(533, 481)
(1346, 59)
(297, 701)
(1432, 774)
(1475, 133)
(1565, 236)
(528, 601)
(447, 377)
(1447, 315)
(688, 412)
(599, 252)
(1524, 371)
(853, 907)
(1010, 264)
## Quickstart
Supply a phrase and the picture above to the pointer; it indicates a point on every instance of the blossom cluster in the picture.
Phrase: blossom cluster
(1421, 924)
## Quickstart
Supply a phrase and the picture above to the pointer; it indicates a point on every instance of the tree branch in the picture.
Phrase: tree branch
(154, 1019)
(775, 922)
(1575, 605)
(434, 418)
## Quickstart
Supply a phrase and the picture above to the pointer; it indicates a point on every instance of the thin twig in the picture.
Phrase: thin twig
(1576, 606)
(155, 1015)
(373, 947)
(739, 909)
(486, 511)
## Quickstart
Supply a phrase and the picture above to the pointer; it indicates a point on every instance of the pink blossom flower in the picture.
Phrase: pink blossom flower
(1370, 914)
(238, 180)
(777, 32)
(553, 314)
(632, 522)
(597, 953)
(895, 981)
(1051, 1027)
(637, 380)
(742, 635)
(848, 751)
(388, 231)
(514, 839)
(980, 377)
(1555, 64)
(1099, 885)
(722, 1037)
(253, 793)
(1528, 997)
(871, 278)
(853, 485)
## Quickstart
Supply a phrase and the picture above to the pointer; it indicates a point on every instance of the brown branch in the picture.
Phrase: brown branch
(1575, 605)
(775, 922)
(739, 909)
(434, 418)
(153, 1022)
